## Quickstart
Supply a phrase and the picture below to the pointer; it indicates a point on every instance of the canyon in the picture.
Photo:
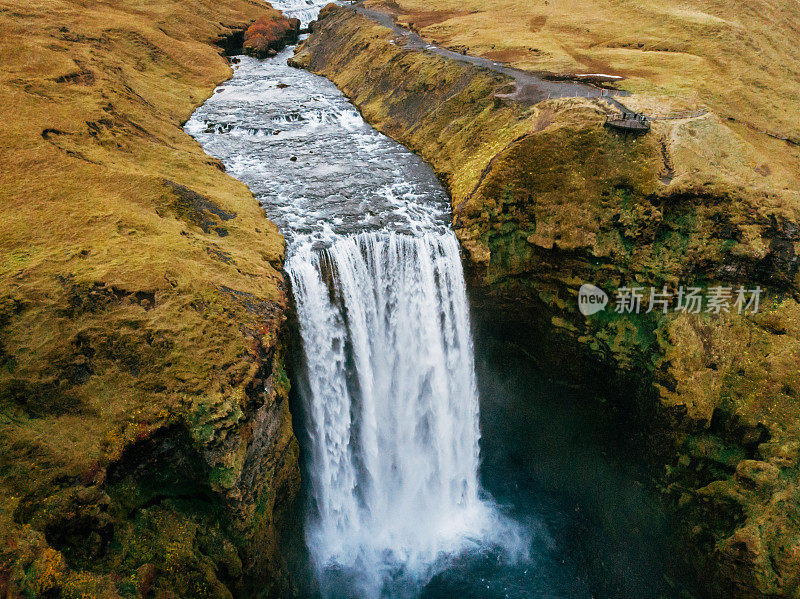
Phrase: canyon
(150, 322)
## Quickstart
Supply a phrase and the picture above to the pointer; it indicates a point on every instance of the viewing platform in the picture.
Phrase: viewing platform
(629, 121)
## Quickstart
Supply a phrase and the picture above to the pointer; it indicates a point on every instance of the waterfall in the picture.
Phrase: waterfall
(386, 387)
(391, 405)
(388, 381)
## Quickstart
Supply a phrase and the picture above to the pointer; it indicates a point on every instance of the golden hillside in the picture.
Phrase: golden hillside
(141, 297)
(740, 59)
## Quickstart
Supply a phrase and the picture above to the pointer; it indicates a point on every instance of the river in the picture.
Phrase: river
(400, 503)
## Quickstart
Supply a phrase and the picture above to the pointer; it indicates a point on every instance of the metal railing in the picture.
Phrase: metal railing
(678, 115)
(630, 116)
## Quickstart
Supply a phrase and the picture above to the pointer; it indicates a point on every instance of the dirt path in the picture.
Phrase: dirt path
(530, 88)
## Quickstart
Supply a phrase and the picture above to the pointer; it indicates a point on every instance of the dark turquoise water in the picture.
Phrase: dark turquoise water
(571, 466)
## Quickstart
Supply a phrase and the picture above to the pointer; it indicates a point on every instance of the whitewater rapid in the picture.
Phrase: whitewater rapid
(388, 381)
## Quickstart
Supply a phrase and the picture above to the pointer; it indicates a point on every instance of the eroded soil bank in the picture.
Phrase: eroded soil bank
(544, 199)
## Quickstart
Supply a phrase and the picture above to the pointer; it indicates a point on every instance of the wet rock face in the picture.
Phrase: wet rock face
(545, 199)
(199, 502)
(269, 35)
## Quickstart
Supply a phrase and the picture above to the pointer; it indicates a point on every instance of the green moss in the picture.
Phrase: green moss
(223, 477)
(282, 384)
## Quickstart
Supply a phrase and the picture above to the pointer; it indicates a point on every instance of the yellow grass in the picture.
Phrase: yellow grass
(740, 59)
(117, 309)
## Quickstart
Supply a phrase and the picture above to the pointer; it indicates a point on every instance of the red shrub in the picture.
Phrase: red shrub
(270, 34)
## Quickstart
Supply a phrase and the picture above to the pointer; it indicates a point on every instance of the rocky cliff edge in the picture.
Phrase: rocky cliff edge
(146, 445)
(546, 198)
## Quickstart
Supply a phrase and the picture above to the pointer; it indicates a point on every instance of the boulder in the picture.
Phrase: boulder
(325, 11)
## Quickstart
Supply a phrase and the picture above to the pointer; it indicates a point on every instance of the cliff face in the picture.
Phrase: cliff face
(546, 198)
(145, 437)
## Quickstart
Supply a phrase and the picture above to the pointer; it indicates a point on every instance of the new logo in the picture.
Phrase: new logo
(591, 299)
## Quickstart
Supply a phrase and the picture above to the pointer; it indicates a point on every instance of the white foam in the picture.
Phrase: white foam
(394, 443)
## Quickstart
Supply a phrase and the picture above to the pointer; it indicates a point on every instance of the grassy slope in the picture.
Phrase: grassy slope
(738, 58)
(139, 284)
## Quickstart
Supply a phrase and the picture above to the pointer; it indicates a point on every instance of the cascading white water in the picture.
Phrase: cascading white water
(391, 405)
(305, 10)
